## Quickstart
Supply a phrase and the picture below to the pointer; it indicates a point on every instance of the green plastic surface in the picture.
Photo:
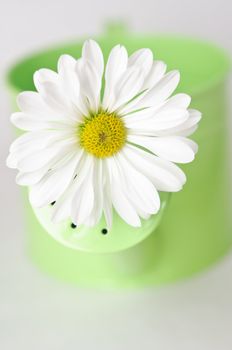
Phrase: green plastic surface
(195, 228)
(119, 237)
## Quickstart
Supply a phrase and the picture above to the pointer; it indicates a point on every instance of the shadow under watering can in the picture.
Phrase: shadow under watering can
(193, 227)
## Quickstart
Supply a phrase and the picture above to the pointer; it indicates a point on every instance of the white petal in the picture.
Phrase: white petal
(23, 150)
(62, 207)
(54, 183)
(187, 132)
(96, 212)
(141, 192)
(161, 120)
(178, 101)
(173, 148)
(94, 64)
(39, 139)
(83, 200)
(160, 92)
(27, 122)
(47, 156)
(43, 140)
(82, 203)
(65, 62)
(120, 202)
(29, 179)
(90, 84)
(107, 203)
(53, 92)
(190, 126)
(92, 52)
(98, 193)
(11, 161)
(156, 73)
(44, 75)
(186, 128)
(26, 137)
(115, 67)
(194, 116)
(165, 175)
(31, 102)
(143, 59)
(192, 144)
(138, 116)
(153, 97)
(131, 106)
(127, 87)
(54, 97)
(69, 78)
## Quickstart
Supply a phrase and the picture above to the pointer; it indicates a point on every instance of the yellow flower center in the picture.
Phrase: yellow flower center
(102, 134)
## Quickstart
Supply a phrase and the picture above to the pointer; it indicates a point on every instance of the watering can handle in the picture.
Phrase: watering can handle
(115, 29)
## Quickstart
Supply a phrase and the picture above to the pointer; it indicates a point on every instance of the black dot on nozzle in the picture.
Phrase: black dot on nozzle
(73, 225)
(52, 203)
(104, 231)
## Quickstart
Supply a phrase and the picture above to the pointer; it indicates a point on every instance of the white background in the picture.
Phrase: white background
(40, 313)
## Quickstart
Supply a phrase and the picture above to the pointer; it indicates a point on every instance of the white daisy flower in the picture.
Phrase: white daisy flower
(91, 149)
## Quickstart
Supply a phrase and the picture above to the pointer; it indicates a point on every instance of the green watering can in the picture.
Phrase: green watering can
(193, 227)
